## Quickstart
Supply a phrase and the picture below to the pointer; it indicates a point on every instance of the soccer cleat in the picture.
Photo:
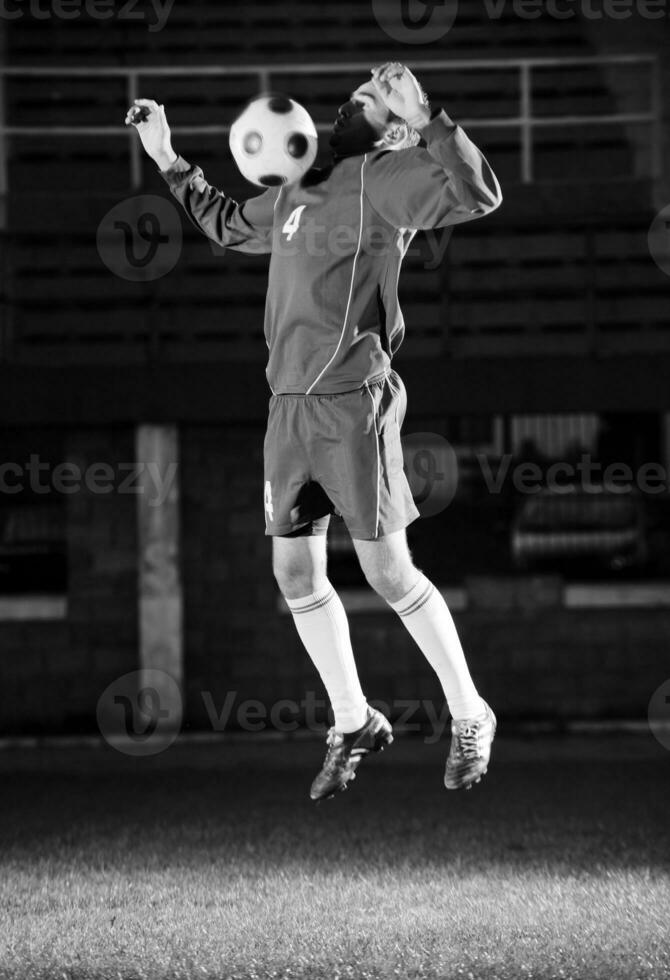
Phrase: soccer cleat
(346, 751)
(470, 751)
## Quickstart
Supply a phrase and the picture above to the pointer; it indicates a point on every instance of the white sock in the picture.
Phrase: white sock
(427, 618)
(324, 630)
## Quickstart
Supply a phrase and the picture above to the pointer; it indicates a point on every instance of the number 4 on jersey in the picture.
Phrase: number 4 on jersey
(292, 223)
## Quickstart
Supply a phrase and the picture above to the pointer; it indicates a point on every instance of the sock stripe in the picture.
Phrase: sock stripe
(420, 601)
(426, 617)
(317, 604)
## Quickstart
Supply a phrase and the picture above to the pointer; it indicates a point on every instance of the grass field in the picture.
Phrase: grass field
(211, 862)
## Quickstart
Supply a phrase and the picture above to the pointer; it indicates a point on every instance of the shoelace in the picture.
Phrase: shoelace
(333, 741)
(467, 741)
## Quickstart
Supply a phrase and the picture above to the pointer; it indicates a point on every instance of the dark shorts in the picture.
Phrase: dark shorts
(339, 454)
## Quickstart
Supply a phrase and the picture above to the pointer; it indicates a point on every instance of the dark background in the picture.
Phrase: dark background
(541, 336)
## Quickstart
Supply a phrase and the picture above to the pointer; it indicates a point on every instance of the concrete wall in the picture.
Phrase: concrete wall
(51, 673)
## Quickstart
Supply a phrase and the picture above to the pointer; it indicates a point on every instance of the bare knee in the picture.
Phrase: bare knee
(294, 583)
(387, 565)
(393, 582)
(390, 574)
(299, 571)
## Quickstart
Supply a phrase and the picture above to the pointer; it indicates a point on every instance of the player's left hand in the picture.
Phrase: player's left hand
(401, 93)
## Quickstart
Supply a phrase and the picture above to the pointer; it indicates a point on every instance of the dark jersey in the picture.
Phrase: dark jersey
(337, 240)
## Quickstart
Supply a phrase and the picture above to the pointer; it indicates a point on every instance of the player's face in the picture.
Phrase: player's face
(361, 122)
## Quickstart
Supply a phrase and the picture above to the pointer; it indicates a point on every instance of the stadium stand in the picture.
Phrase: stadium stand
(557, 269)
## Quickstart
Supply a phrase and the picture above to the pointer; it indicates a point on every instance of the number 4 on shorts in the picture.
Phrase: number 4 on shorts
(269, 509)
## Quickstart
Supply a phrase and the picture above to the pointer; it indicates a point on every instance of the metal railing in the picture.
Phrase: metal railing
(525, 120)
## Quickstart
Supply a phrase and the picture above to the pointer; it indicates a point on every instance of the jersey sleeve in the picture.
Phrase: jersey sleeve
(444, 183)
(246, 227)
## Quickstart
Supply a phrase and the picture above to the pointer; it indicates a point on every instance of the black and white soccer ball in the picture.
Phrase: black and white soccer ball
(273, 141)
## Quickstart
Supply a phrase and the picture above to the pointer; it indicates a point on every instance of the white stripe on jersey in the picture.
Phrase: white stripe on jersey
(351, 287)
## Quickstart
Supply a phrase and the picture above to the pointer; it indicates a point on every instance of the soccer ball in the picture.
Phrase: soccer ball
(273, 141)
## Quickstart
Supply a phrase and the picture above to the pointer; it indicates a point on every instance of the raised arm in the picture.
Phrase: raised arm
(246, 227)
(446, 182)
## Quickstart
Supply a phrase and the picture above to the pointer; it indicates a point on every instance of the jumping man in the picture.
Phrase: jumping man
(332, 325)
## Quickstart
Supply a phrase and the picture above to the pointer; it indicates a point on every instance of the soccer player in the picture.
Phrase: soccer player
(332, 325)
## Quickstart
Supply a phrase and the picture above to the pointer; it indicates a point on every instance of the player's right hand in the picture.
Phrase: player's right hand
(153, 130)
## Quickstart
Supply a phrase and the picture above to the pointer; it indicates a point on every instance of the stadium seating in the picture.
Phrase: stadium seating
(504, 289)
(206, 31)
(516, 283)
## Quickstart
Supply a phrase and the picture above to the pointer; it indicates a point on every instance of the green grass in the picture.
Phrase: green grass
(211, 862)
